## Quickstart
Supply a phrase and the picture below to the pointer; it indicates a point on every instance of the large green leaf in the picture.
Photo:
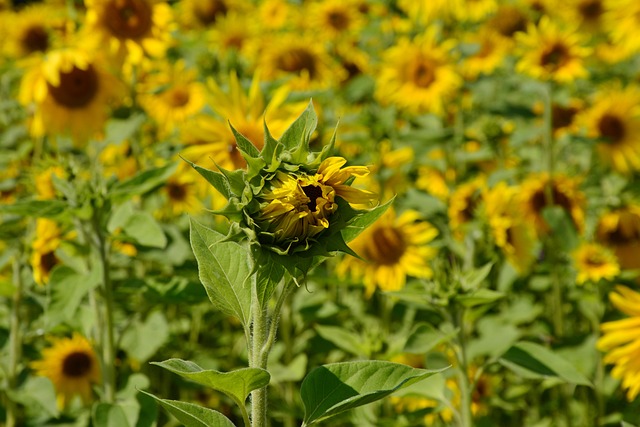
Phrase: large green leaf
(111, 415)
(542, 362)
(142, 339)
(235, 384)
(68, 288)
(224, 271)
(193, 415)
(142, 227)
(363, 221)
(334, 388)
(347, 341)
(36, 208)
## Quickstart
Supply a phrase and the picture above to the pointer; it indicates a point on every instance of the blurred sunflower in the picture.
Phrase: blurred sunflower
(118, 160)
(210, 141)
(182, 193)
(234, 32)
(434, 182)
(299, 58)
(619, 230)
(129, 29)
(296, 207)
(424, 12)
(418, 75)
(511, 233)
(354, 60)
(473, 11)
(275, 14)
(589, 14)
(33, 29)
(594, 262)
(464, 203)
(614, 120)
(334, 18)
(492, 49)
(44, 182)
(43, 255)
(622, 19)
(620, 340)
(172, 95)
(551, 52)
(72, 366)
(71, 91)
(508, 21)
(539, 191)
(393, 248)
(203, 13)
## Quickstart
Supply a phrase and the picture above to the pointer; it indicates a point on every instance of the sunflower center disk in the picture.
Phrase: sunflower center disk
(312, 192)
(36, 39)
(208, 11)
(77, 87)
(297, 60)
(179, 97)
(388, 246)
(77, 364)
(612, 128)
(48, 261)
(590, 9)
(128, 19)
(338, 21)
(176, 191)
(554, 57)
(423, 74)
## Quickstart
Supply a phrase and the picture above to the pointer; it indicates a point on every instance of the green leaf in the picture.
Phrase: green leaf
(109, 415)
(363, 221)
(37, 208)
(144, 229)
(564, 231)
(479, 297)
(214, 178)
(298, 135)
(268, 273)
(142, 182)
(235, 384)
(143, 339)
(343, 339)
(223, 268)
(193, 415)
(68, 288)
(331, 389)
(118, 130)
(472, 279)
(425, 337)
(541, 361)
(245, 146)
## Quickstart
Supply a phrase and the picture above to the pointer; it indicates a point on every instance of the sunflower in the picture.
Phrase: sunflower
(510, 231)
(551, 52)
(182, 192)
(71, 91)
(44, 182)
(209, 139)
(129, 29)
(473, 11)
(589, 14)
(418, 75)
(234, 31)
(33, 30)
(296, 207)
(43, 257)
(298, 58)
(72, 366)
(619, 230)
(622, 19)
(539, 191)
(393, 248)
(620, 340)
(118, 160)
(492, 49)
(508, 21)
(595, 262)
(424, 12)
(172, 95)
(200, 14)
(334, 18)
(614, 120)
(275, 14)
(464, 203)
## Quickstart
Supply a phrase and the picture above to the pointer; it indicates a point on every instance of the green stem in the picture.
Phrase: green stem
(15, 343)
(463, 372)
(258, 342)
(275, 319)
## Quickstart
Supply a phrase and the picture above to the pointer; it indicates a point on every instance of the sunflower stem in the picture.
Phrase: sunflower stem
(465, 384)
(258, 342)
(15, 343)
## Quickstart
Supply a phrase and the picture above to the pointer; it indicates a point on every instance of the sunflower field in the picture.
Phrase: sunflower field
(364, 213)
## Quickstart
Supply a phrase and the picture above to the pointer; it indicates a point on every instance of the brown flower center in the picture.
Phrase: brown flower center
(590, 10)
(128, 19)
(77, 88)
(562, 116)
(387, 247)
(179, 97)
(508, 21)
(208, 11)
(595, 260)
(423, 74)
(297, 60)
(48, 260)
(312, 192)
(35, 39)
(77, 364)
(611, 128)
(558, 198)
(555, 56)
(338, 20)
(176, 191)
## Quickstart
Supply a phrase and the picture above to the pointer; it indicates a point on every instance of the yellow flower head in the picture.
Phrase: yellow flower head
(43, 257)
(619, 230)
(550, 52)
(72, 366)
(300, 206)
(393, 248)
(595, 262)
(621, 340)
